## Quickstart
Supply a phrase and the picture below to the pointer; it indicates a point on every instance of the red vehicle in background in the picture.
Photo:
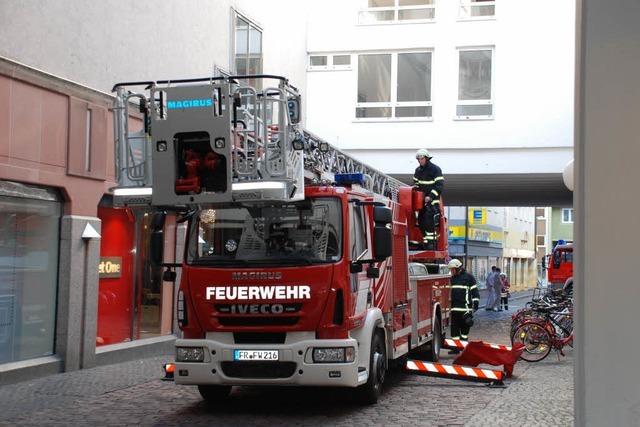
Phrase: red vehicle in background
(560, 266)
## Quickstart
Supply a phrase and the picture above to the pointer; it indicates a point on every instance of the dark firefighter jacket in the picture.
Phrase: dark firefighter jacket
(429, 180)
(464, 293)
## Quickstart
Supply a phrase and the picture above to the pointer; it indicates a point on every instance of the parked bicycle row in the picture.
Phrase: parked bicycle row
(544, 324)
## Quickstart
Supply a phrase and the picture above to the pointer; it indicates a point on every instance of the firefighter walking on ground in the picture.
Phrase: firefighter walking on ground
(465, 300)
(428, 179)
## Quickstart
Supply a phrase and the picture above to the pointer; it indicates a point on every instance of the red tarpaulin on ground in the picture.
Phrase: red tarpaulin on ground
(477, 352)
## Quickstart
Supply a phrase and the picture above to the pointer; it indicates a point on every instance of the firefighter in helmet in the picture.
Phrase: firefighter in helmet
(428, 179)
(465, 300)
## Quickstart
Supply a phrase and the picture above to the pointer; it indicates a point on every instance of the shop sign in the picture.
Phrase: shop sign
(478, 216)
(457, 232)
(110, 267)
(482, 235)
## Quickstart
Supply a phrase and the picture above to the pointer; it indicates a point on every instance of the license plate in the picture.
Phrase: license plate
(252, 355)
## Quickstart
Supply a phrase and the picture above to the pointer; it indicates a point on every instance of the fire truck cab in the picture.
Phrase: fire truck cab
(299, 266)
(560, 266)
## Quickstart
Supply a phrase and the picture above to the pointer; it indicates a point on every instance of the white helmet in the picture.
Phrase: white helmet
(423, 152)
(454, 263)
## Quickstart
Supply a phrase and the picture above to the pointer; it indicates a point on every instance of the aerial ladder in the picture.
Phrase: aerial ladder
(199, 146)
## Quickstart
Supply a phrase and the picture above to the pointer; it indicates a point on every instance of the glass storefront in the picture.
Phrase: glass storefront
(133, 300)
(29, 251)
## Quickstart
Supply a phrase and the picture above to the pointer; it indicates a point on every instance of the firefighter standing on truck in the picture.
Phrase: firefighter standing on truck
(465, 299)
(428, 179)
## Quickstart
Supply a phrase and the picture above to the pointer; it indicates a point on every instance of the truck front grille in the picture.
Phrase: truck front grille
(258, 320)
(259, 337)
(259, 369)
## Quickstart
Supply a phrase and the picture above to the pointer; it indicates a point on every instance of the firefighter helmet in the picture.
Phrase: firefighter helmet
(423, 152)
(454, 263)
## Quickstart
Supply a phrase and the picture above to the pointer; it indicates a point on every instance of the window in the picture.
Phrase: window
(394, 85)
(389, 11)
(329, 62)
(541, 240)
(477, 9)
(475, 88)
(567, 216)
(247, 47)
(29, 239)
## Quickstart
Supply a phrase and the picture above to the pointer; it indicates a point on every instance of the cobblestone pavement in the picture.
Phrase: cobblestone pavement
(131, 394)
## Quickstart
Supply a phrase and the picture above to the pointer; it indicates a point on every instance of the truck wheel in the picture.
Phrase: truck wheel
(371, 391)
(436, 341)
(214, 394)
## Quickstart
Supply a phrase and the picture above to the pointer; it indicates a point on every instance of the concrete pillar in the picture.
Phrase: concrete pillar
(607, 227)
(76, 322)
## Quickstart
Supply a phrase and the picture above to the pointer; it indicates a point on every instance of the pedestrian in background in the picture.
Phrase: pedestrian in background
(497, 289)
(491, 296)
(504, 297)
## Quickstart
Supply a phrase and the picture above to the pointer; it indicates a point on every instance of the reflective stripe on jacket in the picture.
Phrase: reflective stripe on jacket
(464, 292)
(429, 180)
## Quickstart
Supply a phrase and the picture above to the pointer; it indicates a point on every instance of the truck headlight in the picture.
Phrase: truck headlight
(333, 355)
(189, 354)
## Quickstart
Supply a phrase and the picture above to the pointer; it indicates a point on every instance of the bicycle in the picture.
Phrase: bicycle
(540, 335)
(538, 306)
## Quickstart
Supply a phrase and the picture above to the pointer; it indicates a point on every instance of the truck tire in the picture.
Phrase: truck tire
(436, 341)
(370, 392)
(214, 394)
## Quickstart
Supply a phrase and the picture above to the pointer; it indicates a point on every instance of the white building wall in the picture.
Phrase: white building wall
(533, 88)
(99, 43)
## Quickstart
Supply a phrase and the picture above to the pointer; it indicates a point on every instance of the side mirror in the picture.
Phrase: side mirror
(373, 272)
(381, 242)
(293, 105)
(382, 214)
(355, 267)
(169, 276)
(382, 237)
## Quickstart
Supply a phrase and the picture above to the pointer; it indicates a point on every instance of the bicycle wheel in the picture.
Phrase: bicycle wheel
(536, 340)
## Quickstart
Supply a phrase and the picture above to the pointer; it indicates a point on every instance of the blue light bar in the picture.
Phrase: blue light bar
(349, 178)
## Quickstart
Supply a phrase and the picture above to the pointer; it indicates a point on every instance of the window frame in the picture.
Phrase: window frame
(393, 102)
(396, 8)
(235, 14)
(570, 220)
(470, 4)
(491, 100)
(330, 63)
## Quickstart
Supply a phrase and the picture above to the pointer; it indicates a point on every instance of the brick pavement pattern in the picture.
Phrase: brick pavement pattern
(132, 394)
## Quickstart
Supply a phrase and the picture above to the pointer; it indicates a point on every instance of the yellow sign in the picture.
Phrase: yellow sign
(477, 216)
(458, 232)
(482, 235)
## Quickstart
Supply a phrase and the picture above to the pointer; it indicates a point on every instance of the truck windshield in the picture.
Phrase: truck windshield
(295, 233)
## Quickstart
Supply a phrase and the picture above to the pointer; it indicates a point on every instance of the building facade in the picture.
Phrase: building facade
(472, 81)
(495, 236)
(76, 286)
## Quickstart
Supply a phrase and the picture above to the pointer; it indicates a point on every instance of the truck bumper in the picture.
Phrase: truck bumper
(294, 366)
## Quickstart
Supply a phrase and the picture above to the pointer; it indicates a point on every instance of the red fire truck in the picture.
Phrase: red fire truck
(301, 265)
(560, 266)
